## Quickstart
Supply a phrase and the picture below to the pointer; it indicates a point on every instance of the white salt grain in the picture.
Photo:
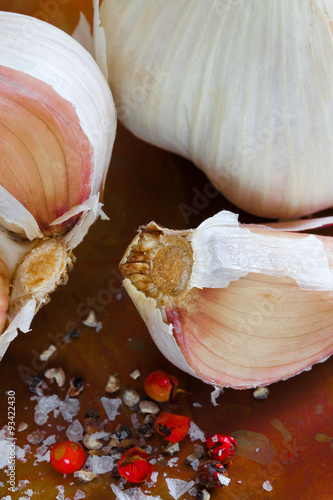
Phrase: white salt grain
(69, 408)
(173, 461)
(197, 405)
(111, 406)
(178, 487)
(79, 494)
(45, 405)
(196, 433)
(4, 453)
(195, 464)
(43, 457)
(74, 431)
(224, 480)
(267, 486)
(101, 435)
(135, 421)
(99, 465)
(132, 494)
(49, 440)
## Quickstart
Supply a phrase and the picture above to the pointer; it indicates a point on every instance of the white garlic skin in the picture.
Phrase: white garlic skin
(242, 89)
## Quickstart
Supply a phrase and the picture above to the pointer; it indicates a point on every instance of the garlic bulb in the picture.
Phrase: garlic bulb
(57, 122)
(242, 89)
(235, 305)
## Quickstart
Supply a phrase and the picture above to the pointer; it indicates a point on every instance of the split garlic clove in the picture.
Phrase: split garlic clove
(57, 121)
(57, 125)
(234, 305)
(241, 88)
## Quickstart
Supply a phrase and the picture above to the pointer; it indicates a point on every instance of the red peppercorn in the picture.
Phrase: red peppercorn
(160, 386)
(67, 457)
(221, 447)
(133, 465)
(173, 427)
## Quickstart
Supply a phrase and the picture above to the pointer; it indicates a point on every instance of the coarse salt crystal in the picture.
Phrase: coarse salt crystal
(197, 405)
(173, 461)
(45, 405)
(101, 435)
(74, 431)
(224, 480)
(79, 494)
(132, 494)
(49, 440)
(196, 433)
(69, 408)
(99, 465)
(195, 464)
(267, 486)
(111, 406)
(178, 487)
(45, 457)
(4, 453)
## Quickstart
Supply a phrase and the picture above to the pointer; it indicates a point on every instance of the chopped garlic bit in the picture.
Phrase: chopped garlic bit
(135, 374)
(131, 398)
(46, 355)
(113, 384)
(85, 476)
(58, 374)
(91, 320)
(22, 426)
(261, 393)
(149, 407)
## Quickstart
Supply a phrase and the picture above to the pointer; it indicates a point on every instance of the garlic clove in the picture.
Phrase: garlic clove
(57, 124)
(4, 294)
(234, 305)
(241, 89)
(57, 120)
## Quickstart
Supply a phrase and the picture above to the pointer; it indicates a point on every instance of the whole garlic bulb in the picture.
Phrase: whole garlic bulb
(235, 305)
(241, 88)
(57, 122)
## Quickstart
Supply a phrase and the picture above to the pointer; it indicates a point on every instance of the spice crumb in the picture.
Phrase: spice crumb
(135, 374)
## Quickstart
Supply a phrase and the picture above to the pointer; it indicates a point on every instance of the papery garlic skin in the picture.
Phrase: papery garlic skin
(242, 89)
(57, 123)
(223, 318)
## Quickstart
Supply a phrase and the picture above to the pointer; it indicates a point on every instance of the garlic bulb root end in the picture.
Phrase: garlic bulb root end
(44, 268)
(158, 262)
